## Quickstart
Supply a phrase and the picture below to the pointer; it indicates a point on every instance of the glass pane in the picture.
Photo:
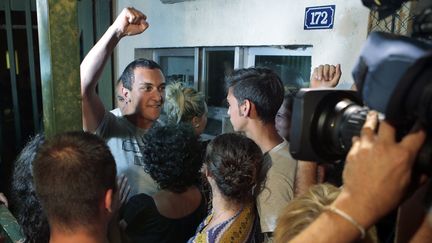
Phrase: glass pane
(294, 71)
(219, 64)
(178, 69)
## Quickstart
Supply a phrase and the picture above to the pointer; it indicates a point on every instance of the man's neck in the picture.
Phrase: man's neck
(264, 135)
(82, 236)
(139, 121)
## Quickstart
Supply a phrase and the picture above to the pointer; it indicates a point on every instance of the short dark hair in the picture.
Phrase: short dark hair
(173, 156)
(261, 86)
(234, 162)
(72, 172)
(127, 76)
(24, 204)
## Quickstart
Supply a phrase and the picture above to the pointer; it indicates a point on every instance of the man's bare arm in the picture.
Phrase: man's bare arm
(129, 22)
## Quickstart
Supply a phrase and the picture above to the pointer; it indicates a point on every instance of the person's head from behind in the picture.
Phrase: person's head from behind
(173, 156)
(24, 204)
(303, 210)
(253, 93)
(144, 89)
(75, 179)
(183, 104)
(232, 163)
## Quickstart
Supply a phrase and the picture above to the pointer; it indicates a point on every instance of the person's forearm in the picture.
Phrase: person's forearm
(94, 62)
(328, 228)
(306, 176)
(331, 227)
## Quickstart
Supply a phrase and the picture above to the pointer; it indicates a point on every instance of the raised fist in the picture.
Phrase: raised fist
(130, 22)
(325, 76)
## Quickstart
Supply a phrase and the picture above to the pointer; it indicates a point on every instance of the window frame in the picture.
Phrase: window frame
(251, 52)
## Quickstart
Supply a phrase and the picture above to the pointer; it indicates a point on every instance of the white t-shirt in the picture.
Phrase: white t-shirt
(116, 112)
(279, 185)
(125, 140)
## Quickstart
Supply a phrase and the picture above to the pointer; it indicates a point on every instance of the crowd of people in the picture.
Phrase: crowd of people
(174, 187)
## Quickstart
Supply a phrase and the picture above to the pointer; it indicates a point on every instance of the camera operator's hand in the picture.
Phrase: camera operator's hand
(376, 176)
(130, 22)
(377, 171)
(325, 76)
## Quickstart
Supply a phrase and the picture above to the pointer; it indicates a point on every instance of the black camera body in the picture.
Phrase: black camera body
(393, 76)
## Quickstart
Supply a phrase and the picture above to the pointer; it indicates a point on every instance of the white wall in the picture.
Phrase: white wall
(249, 22)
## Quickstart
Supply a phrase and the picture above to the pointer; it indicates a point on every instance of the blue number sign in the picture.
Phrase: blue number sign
(320, 17)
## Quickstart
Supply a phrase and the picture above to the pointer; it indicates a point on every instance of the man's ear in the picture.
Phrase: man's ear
(126, 94)
(109, 200)
(246, 108)
(196, 121)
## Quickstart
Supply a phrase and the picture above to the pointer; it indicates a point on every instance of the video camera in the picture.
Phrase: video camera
(393, 76)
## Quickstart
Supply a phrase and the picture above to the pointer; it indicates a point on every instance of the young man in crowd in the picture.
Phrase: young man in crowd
(254, 97)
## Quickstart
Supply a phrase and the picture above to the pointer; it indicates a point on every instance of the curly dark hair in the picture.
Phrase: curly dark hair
(234, 162)
(173, 156)
(25, 205)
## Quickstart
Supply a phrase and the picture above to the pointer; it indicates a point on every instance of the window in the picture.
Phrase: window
(179, 65)
(292, 65)
(217, 63)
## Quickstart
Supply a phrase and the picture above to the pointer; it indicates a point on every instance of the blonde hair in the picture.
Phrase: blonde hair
(183, 103)
(303, 210)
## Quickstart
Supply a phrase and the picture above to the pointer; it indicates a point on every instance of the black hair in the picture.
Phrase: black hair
(234, 162)
(261, 86)
(127, 76)
(173, 156)
(24, 204)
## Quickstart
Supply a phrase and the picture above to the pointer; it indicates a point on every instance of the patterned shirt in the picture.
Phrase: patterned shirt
(237, 229)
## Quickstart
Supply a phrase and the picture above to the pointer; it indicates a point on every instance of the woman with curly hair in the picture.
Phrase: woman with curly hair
(24, 204)
(183, 104)
(231, 165)
(173, 159)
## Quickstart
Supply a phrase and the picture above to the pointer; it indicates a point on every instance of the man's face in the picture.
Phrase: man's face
(148, 92)
(234, 112)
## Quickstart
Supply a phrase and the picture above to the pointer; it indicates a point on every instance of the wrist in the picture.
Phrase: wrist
(360, 211)
(116, 32)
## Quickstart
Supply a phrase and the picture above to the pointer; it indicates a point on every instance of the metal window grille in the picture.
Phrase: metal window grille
(398, 23)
